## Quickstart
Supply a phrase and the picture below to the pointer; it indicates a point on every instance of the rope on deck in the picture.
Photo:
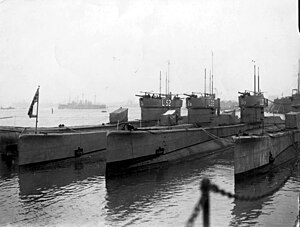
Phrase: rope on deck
(217, 137)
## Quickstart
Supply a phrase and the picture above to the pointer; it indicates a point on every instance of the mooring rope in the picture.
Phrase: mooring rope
(2, 118)
(71, 129)
(217, 137)
(216, 189)
(24, 130)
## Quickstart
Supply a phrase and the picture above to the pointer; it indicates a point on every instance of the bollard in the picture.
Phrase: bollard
(205, 205)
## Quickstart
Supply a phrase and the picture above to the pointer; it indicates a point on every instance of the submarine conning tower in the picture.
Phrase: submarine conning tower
(153, 105)
(202, 108)
(252, 107)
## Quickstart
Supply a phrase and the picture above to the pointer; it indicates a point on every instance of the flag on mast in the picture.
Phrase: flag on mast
(34, 100)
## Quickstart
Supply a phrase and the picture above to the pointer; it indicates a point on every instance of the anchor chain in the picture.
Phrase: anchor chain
(195, 213)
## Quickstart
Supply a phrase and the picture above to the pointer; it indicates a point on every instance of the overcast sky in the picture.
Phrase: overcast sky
(115, 49)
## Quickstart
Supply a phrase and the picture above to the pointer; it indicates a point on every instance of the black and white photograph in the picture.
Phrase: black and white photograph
(146, 113)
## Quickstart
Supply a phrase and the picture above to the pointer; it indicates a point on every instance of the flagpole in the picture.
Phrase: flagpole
(37, 112)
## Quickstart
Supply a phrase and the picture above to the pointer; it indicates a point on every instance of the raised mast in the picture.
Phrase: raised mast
(298, 82)
(212, 72)
(210, 81)
(30, 111)
(205, 82)
(254, 67)
(166, 83)
(254, 79)
(37, 110)
(159, 83)
(168, 76)
(258, 89)
(299, 76)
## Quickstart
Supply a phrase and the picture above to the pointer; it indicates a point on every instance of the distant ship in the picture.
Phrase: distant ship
(7, 108)
(281, 105)
(81, 105)
(289, 103)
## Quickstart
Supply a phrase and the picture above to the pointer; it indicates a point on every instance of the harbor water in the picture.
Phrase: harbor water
(75, 192)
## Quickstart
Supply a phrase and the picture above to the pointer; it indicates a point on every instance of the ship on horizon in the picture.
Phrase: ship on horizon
(81, 105)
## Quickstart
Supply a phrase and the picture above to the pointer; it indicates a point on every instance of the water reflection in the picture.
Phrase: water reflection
(55, 192)
(75, 192)
(38, 179)
(140, 192)
(8, 168)
(246, 213)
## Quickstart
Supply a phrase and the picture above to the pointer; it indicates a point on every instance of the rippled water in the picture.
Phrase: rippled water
(75, 193)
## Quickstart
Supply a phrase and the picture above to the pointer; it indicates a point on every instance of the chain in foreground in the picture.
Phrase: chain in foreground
(207, 186)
